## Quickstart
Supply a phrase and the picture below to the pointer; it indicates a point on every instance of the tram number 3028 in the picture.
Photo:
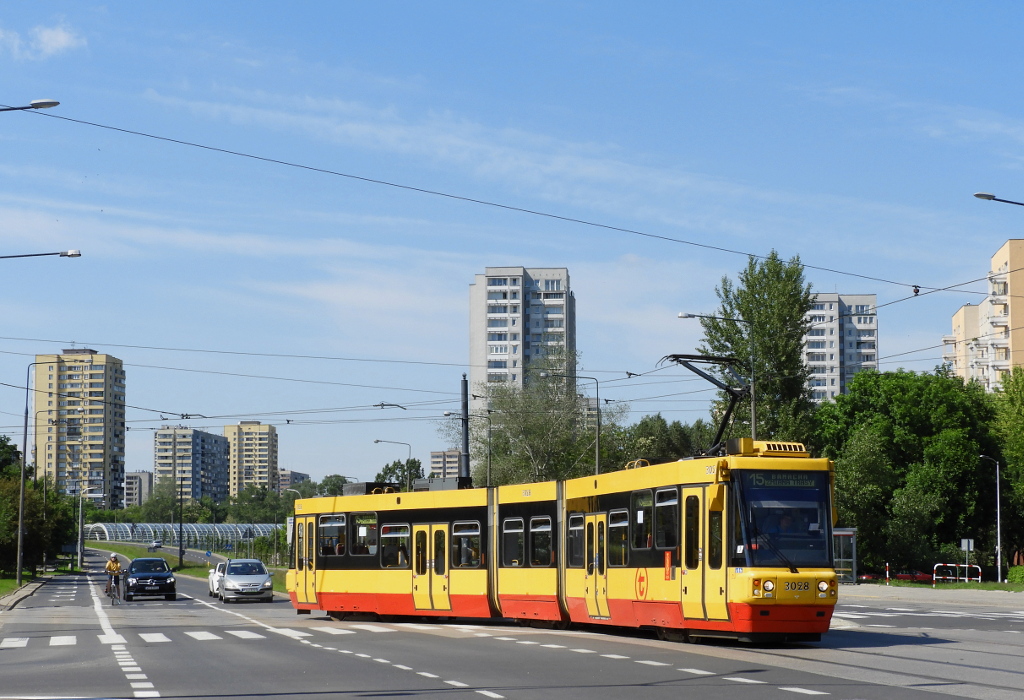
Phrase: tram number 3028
(798, 585)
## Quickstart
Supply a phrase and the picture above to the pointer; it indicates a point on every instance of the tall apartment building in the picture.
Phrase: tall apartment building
(79, 423)
(253, 459)
(842, 340)
(444, 464)
(196, 461)
(988, 338)
(286, 479)
(137, 488)
(517, 314)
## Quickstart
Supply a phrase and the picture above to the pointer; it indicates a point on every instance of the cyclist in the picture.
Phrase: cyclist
(113, 572)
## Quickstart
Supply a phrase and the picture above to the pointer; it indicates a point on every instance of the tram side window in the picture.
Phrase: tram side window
(299, 546)
(466, 545)
(332, 535)
(364, 533)
(575, 543)
(310, 544)
(666, 519)
(394, 546)
(440, 566)
(691, 536)
(715, 534)
(618, 537)
(541, 551)
(513, 548)
(643, 519)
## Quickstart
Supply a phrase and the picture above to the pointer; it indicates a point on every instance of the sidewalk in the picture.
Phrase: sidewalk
(874, 593)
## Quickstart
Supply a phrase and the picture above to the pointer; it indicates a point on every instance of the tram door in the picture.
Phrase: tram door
(430, 567)
(305, 561)
(692, 580)
(596, 589)
(715, 571)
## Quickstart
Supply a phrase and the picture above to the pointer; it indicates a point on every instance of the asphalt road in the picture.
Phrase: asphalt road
(66, 640)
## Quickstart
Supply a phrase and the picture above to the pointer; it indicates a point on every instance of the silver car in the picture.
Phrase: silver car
(213, 580)
(246, 579)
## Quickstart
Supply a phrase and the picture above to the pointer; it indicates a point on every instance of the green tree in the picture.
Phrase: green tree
(545, 429)
(772, 299)
(906, 447)
(656, 440)
(332, 485)
(1009, 426)
(401, 472)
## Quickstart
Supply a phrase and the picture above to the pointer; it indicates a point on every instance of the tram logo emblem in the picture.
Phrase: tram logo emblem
(640, 584)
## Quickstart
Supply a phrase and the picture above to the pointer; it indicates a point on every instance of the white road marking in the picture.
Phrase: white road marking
(404, 668)
(740, 679)
(428, 675)
(552, 646)
(614, 656)
(142, 684)
(489, 694)
(457, 684)
(527, 642)
(294, 634)
(372, 628)
(382, 661)
(111, 638)
(584, 651)
(14, 642)
(696, 671)
(154, 637)
(245, 634)
(332, 630)
(64, 641)
(147, 694)
(135, 676)
(652, 663)
(204, 636)
(805, 691)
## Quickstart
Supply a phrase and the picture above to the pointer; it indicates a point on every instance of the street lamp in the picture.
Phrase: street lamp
(597, 400)
(750, 325)
(81, 516)
(61, 253)
(21, 488)
(999, 524)
(993, 198)
(34, 104)
(408, 467)
(488, 419)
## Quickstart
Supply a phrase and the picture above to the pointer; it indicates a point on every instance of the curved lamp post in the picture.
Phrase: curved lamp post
(999, 524)
(34, 104)
(993, 198)
(408, 466)
(753, 412)
(61, 253)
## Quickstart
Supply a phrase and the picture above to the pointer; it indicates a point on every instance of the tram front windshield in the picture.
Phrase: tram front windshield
(784, 519)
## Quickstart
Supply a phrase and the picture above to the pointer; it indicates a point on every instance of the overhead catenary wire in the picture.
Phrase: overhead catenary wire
(460, 198)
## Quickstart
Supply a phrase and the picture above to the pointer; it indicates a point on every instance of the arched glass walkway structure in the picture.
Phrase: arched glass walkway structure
(195, 535)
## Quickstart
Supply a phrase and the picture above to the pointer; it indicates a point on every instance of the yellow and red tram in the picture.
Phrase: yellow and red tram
(734, 546)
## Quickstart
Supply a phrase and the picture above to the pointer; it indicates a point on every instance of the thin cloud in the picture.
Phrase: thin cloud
(42, 43)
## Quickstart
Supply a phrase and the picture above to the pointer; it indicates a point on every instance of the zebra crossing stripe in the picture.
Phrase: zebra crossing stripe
(154, 637)
(13, 642)
(63, 641)
(203, 636)
(245, 634)
(333, 630)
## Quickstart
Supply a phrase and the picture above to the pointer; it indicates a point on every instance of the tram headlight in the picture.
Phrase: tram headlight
(822, 586)
(769, 586)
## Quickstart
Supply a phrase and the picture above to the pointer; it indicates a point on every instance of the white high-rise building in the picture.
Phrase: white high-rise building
(516, 315)
(842, 340)
(79, 423)
(195, 460)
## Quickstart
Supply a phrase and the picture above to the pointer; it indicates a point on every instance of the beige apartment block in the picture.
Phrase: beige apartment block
(444, 464)
(253, 458)
(988, 338)
(79, 423)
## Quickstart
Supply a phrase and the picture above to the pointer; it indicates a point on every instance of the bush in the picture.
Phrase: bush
(1016, 574)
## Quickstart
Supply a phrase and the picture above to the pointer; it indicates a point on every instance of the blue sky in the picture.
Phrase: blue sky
(852, 135)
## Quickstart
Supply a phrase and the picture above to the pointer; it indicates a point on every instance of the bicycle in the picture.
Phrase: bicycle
(114, 589)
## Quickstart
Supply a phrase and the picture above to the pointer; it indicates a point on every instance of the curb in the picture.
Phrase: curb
(14, 597)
